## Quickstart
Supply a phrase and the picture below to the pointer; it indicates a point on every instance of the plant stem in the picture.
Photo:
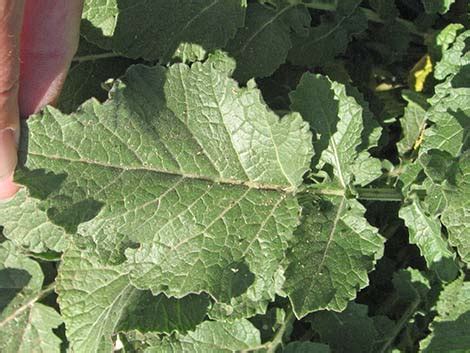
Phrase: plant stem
(277, 340)
(43, 293)
(371, 194)
(272, 345)
(94, 57)
(400, 324)
(379, 194)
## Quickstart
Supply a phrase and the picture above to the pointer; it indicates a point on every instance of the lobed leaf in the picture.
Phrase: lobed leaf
(425, 232)
(334, 247)
(185, 163)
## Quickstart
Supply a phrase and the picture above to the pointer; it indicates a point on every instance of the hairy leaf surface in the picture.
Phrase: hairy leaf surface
(189, 165)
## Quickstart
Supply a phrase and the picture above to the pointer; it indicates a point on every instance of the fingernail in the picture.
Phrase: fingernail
(8, 153)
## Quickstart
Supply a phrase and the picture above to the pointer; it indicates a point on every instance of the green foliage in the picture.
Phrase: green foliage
(330, 38)
(352, 330)
(449, 331)
(247, 176)
(26, 325)
(184, 29)
(441, 6)
(212, 337)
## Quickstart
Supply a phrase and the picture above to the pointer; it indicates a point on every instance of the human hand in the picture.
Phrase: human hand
(38, 39)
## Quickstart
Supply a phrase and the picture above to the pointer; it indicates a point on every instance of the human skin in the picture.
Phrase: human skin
(38, 39)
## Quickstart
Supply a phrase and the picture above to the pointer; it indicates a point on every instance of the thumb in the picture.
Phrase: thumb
(11, 14)
(49, 41)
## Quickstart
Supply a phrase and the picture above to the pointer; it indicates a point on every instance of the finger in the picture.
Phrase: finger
(48, 43)
(11, 12)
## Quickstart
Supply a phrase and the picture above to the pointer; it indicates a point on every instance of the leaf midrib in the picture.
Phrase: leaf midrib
(189, 23)
(216, 180)
(263, 27)
(338, 25)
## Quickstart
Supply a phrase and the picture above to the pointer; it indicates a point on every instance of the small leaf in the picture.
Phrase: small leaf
(450, 115)
(425, 232)
(454, 51)
(334, 248)
(412, 122)
(342, 127)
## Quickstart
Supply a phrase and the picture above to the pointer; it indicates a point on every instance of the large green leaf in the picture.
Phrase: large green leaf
(25, 325)
(186, 163)
(161, 29)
